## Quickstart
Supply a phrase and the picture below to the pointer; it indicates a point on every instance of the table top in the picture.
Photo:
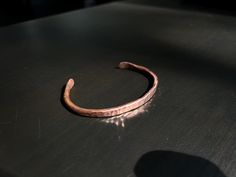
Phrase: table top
(188, 129)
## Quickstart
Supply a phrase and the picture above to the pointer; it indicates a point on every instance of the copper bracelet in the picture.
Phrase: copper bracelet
(114, 111)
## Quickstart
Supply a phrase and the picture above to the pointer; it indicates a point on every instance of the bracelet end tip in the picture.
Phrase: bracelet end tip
(70, 83)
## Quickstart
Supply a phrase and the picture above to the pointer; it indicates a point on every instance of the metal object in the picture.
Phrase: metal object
(118, 110)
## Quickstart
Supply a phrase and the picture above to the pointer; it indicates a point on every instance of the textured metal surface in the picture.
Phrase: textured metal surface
(189, 127)
(117, 110)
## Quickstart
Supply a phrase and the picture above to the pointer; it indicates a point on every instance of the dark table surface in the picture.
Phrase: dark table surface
(189, 129)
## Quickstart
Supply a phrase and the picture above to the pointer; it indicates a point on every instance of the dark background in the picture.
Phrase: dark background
(21, 10)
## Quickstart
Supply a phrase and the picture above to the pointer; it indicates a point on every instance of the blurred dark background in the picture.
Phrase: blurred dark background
(14, 11)
(213, 6)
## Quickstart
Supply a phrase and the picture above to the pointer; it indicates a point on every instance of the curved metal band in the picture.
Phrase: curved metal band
(114, 111)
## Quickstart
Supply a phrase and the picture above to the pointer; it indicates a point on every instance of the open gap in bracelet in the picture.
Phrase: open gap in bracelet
(146, 75)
